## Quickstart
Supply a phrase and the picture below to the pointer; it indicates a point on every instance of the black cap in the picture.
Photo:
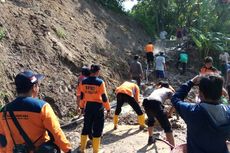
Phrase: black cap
(136, 57)
(85, 71)
(94, 68)
(25, 80)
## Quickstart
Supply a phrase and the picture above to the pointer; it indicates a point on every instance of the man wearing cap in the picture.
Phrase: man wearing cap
(93, 100)
(85, 72)
(34, 116)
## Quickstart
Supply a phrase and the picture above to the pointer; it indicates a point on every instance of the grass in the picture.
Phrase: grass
(2, 33)
(60, 32)
(2, 94)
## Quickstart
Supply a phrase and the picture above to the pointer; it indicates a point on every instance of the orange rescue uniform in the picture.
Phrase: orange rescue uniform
(130, 89)
(93, 100)
(212, 70)
(129, 93)
(93, 92)
(34, 116)
(149, 48)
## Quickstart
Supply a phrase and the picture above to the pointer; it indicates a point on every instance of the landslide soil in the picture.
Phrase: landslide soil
(56, 38)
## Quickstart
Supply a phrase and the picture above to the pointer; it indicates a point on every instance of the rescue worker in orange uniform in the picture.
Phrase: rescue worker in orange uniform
(149, 48)
(208, 67)
(34, 116)
(129, 92)
(93, 100)
(85, 72)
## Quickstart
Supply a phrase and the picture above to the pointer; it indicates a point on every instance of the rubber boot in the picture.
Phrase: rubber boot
(96, 144)
(115, 121)
(83, 143)
(141, 121)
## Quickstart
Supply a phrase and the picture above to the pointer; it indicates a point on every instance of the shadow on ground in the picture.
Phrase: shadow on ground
(110, 137)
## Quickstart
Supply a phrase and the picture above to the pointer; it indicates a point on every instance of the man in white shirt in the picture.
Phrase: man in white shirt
(223, 57)
(154, 109)
(160, 65)
(163, 35)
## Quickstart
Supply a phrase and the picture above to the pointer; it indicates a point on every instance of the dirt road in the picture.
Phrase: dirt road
(128, 138)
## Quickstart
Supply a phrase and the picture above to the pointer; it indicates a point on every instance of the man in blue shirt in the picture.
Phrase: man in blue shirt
(208, 122)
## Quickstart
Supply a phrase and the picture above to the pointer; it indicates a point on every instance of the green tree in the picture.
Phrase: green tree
(207, 20)
(115, 5)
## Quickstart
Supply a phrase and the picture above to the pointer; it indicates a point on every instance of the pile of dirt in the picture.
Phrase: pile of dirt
(57, 38)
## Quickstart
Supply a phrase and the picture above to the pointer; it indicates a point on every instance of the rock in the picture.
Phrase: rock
(148, 91)
(176, 125)
(48, 12)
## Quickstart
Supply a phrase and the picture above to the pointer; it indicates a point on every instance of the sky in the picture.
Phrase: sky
(128, 4)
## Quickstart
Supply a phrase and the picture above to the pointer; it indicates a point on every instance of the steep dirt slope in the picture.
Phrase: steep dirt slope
(57, 37)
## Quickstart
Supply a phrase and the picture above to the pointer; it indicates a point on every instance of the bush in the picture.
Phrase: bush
(210, 43)
(2, 33)
(60, 32)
